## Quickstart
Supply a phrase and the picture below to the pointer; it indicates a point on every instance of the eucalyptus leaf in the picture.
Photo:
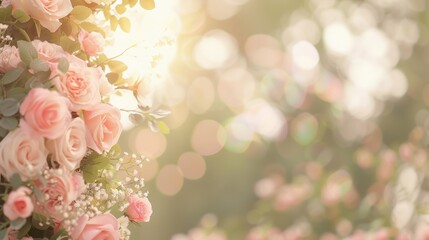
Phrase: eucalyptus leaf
(63, 65)
(39, 65)
(9, 107)
(3, 133)
(8, 123)
(18, 223)
(15, 180)
(11, 75)
(27, 52)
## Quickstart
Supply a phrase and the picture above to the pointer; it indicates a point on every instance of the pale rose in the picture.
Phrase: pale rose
(61, 190)
(49, 52)
(80, 84)
(139, 209)
(9, 58)
(69, 149)
(422, 232)
(18, 204)
(104, 226)
(5, 3)
(91, 43)
(47, 12)
(23, 154)
(46, 113)
(103, 127)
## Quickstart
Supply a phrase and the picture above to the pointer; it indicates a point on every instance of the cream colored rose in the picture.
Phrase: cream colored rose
(69, 149)
(23, 154)
(48, 12)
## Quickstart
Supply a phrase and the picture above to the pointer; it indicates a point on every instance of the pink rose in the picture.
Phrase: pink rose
(45, 113)
(49, 52)
(91, 43)
(5, 3)
(61, 190)
(69, 149)
(9, 58)
(103, 127)
(23, 154)
(139, 209)
(18, 204)
(47, 12)
(104, 226)
(80, 84)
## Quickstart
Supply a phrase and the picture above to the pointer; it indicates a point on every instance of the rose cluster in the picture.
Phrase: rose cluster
(58, 132)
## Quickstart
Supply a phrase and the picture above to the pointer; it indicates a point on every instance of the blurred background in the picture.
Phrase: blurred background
(290, 119)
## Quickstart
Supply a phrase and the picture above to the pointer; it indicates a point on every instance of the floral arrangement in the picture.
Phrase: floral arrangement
(62, 174)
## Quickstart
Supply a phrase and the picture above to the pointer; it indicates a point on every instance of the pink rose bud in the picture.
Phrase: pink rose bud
(18, 204)
(104, 226)
(139, 209)
(91, 43)
(46, 113)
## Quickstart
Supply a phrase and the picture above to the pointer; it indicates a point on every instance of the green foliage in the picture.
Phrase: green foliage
(24, 230)
(63, 65)
(21, 16)
(147, 4)
(60, 234)
(125, 24)
(40, 221)
(92, 164)
(11, 76)
(15, 181)
(27, 52)
(81, 12)
(9, 107)
(18, 223)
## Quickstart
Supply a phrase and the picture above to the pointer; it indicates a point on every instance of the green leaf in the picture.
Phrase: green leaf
(9, 106)
(40, 221)
(18, 93)
(39, 65)
(18, 223)
(163, 127)
(15, 181)
(3, 133)
(132, 2)
(3, 233)
(60, 234)
(92, 165)
(23, 33)
(90, 27)
(81, 12)
(24, 230)
(147, 4)
(8, 123)
(11, 75)
(121, 9)
(117, 66)
(38, 28)
(27, 52)
(21, 16)
(63, 65)
(5, 15)
(112, 77)
(113, 23)
(125, 24)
